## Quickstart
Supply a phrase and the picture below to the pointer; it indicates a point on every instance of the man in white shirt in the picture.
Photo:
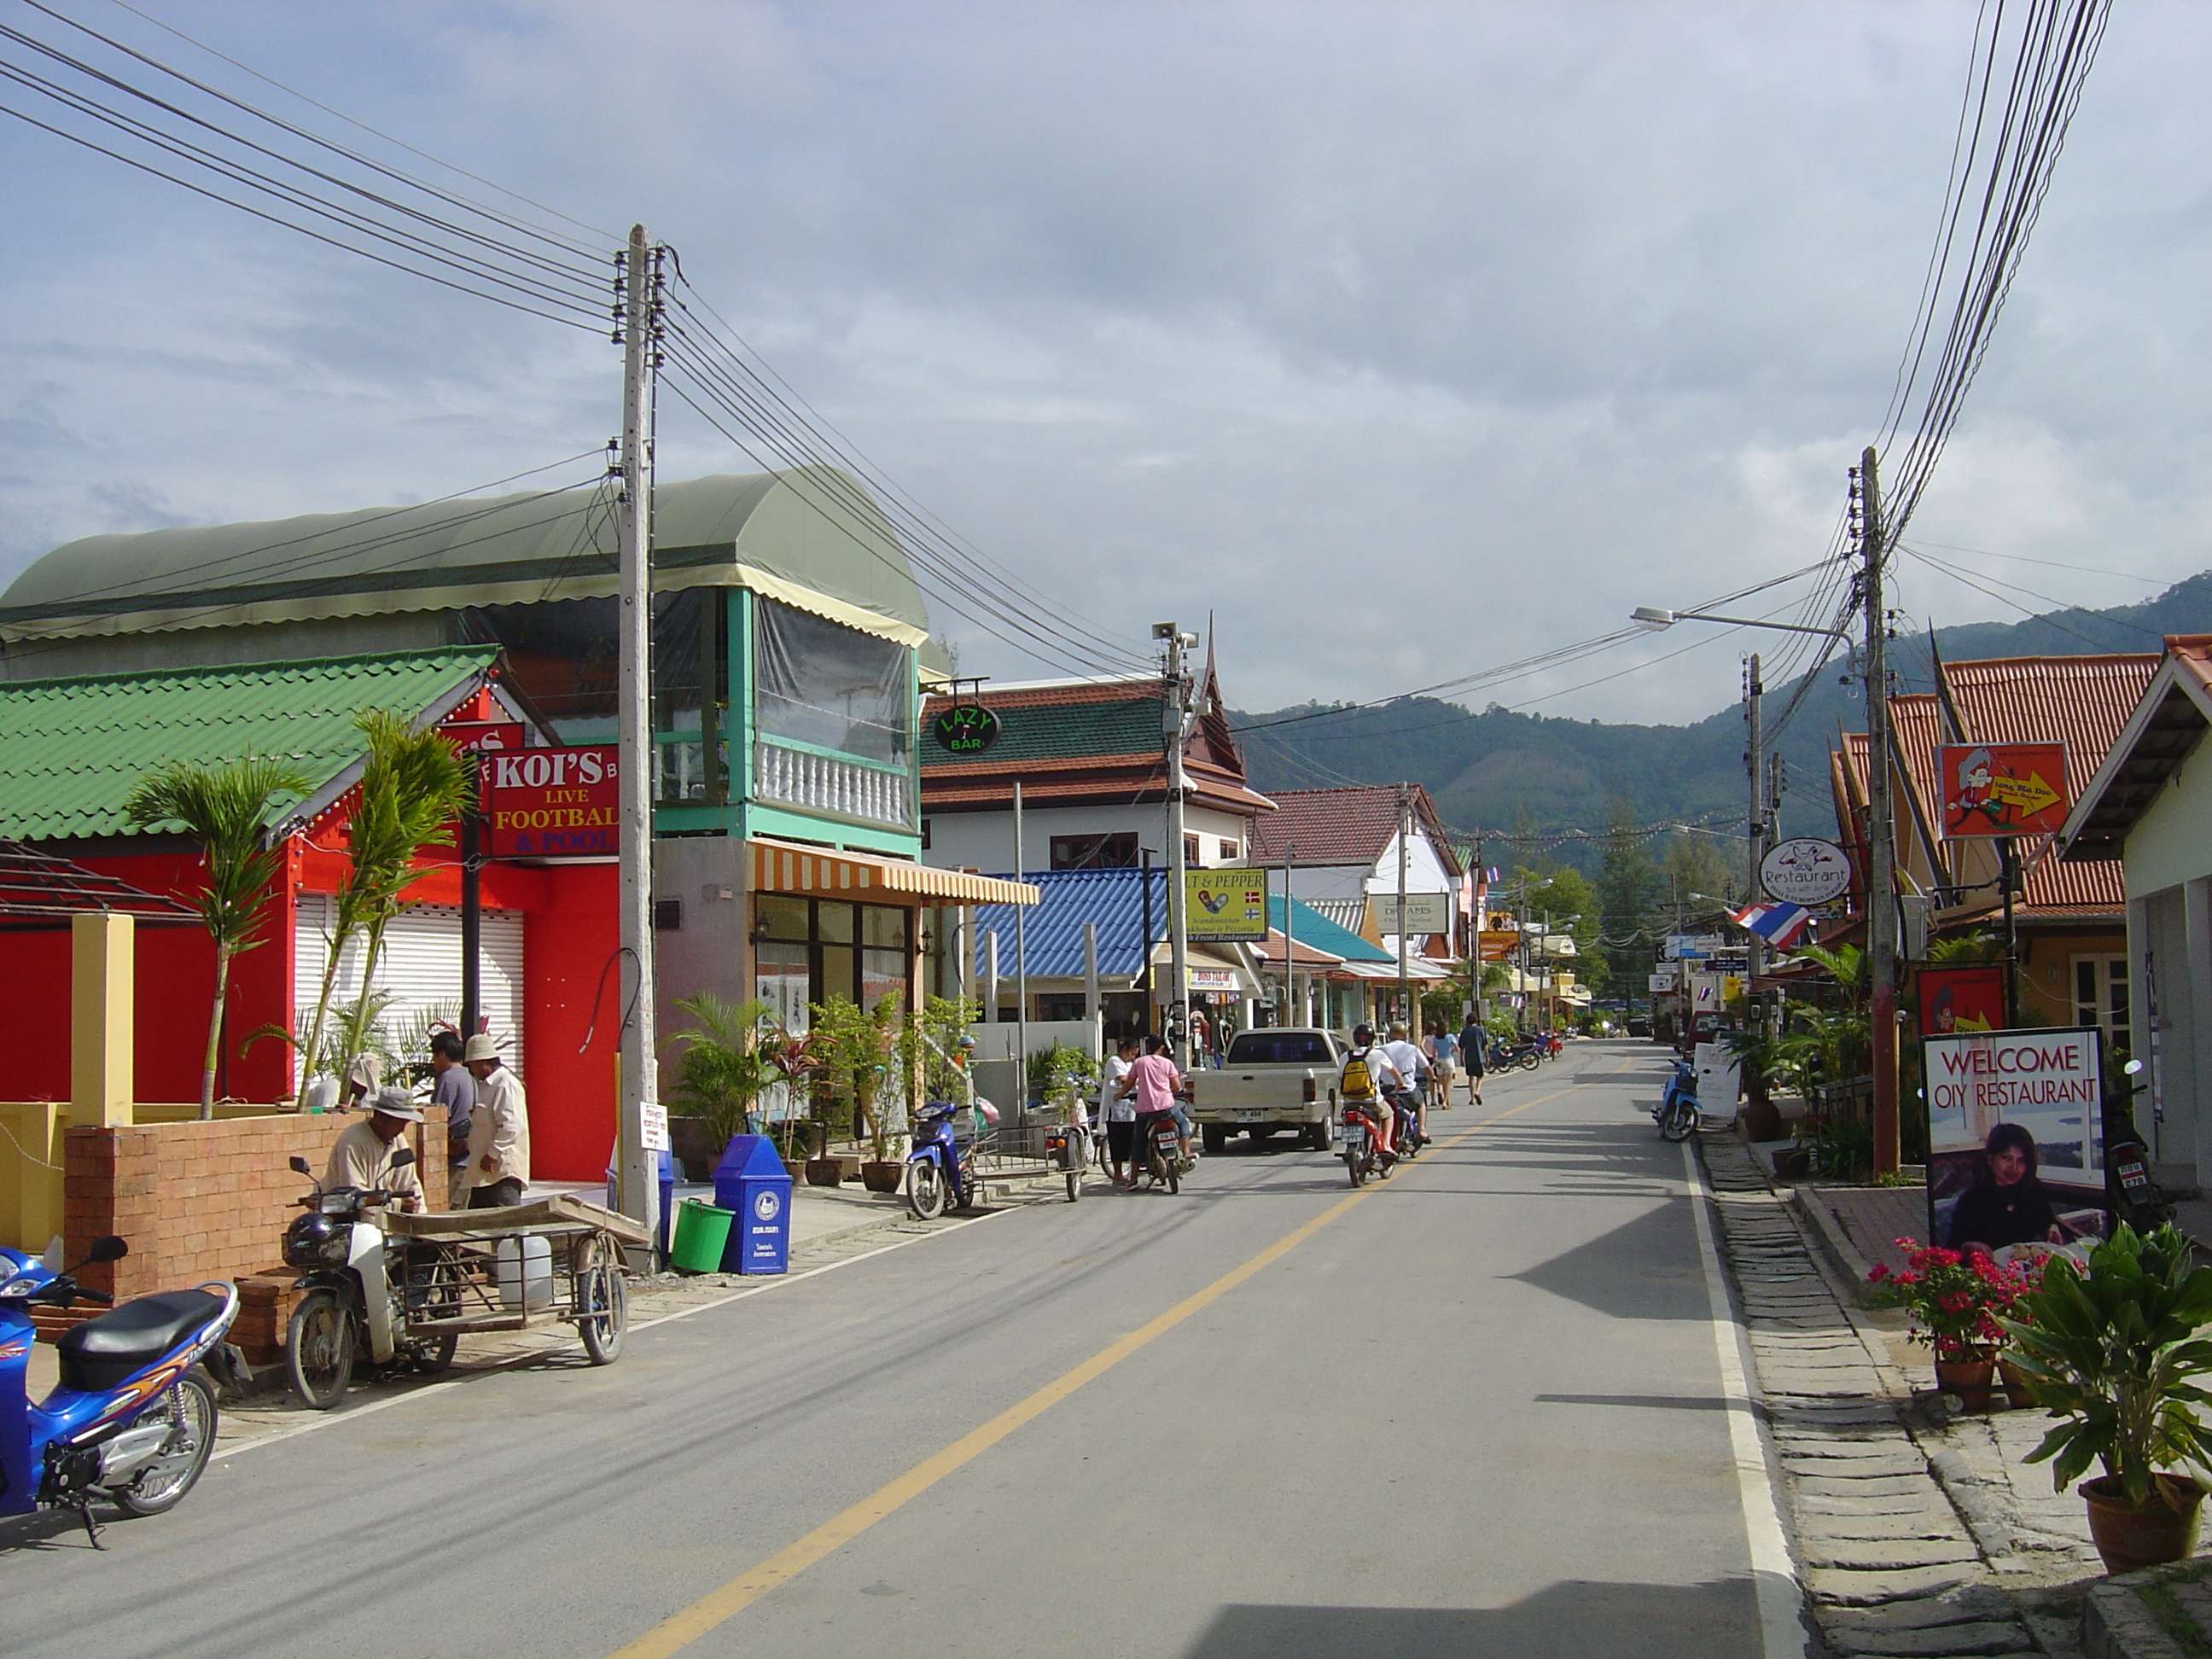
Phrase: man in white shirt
(499, 1130)
(361, 1155)
(1118, 1112)
(1413, 1065)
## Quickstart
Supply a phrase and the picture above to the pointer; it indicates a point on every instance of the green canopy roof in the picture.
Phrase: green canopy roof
(1310, 927)
(72, 749)
(812, 537)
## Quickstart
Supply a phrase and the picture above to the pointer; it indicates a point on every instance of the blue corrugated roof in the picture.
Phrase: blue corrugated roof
(1311, 927)
(1052, 945)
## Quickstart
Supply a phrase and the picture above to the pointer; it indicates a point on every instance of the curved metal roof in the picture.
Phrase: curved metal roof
(812, 537)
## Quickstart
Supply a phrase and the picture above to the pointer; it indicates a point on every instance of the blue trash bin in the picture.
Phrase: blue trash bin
(750, 1181)
(667, 1193)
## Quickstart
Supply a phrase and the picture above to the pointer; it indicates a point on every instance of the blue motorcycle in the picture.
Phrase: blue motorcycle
(940, 1168)
(134, 1418)
(1676, 1114)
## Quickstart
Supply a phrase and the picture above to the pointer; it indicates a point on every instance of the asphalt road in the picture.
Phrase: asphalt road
(1477, 1410)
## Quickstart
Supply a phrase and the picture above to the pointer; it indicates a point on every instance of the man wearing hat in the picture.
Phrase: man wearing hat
(499, 1132)
(361, 1155)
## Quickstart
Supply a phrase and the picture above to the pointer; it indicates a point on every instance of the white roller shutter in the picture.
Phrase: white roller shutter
(420, 966)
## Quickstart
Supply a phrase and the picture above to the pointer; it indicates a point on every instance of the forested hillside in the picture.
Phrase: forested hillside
(1499, 770)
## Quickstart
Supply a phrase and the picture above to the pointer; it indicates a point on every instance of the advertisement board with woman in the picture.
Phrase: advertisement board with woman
(2016, 1137)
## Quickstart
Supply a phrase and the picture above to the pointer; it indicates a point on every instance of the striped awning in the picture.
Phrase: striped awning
(780, 866)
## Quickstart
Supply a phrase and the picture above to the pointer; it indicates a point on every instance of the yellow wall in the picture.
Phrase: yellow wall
(30, 1172)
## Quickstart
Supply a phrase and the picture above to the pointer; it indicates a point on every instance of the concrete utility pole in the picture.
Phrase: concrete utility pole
(641, 1126)
(1292, 1015)
(1175, 722)
(1755, 958)
(1405, 834)
(1881, 855)
(1021, 963)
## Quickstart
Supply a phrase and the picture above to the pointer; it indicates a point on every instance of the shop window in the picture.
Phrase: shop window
(1114, 852)
(808, 950)
(883, 926)
(1229, 854)
(1059, 1005)
(776, 917)
(2100, 999)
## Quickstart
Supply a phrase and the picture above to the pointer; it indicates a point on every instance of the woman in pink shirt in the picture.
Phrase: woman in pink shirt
(1154, 1081)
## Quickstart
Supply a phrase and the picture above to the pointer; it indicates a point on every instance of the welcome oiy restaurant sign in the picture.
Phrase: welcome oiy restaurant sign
(551, 803)
(2049, 1083)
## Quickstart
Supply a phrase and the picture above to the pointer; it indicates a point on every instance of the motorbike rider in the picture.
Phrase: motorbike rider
(1153, 1083)
(361, 1155)
(1382, 1076)
(1412, 1066)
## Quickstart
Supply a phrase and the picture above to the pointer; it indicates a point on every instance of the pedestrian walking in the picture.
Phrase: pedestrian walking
(1445, 1055)
(1473, 1045)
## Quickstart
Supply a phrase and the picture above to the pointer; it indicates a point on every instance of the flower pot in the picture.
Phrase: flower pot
(2016, 1382)
(2130, 1535)
(795, 1168)
(824, 1171)
(1969, 1379)
(882, 1174)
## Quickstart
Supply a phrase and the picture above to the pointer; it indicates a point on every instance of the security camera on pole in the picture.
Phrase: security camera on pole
(1174, 724)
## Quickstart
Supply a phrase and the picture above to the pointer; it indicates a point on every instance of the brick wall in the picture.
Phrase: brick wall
(196, 1201)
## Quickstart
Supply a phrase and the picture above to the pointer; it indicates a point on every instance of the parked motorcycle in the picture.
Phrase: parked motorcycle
(940, 1172)
(1676, 1114)
(350, 1296)
(133, 1418)
(1515, 1056)
(2133, 1194)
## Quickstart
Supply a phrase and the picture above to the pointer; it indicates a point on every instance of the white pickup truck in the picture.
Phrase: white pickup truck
(1280, 1078)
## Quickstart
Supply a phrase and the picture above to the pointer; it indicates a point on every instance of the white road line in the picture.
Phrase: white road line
(327, 1420)
(1781, 1598)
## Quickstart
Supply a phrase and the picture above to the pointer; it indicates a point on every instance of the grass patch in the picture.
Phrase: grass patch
(2166, 1606)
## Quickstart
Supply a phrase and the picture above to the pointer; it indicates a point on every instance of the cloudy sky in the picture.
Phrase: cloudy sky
(1404, 339)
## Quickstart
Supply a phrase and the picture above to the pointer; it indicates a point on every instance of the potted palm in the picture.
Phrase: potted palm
(720, 1078)
(2113, 1352)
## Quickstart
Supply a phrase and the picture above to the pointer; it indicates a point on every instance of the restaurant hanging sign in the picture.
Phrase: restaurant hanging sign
(551, 803)
(966, 728)
(2002, 788)
(1220, 906)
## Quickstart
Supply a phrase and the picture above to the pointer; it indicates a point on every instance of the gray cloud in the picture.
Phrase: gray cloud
(1405, 339)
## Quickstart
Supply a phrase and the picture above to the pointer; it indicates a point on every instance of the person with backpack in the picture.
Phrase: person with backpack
(1365, 1083)
(1473, 1045)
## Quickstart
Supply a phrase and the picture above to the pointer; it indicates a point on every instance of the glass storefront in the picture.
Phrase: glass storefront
(809, 949)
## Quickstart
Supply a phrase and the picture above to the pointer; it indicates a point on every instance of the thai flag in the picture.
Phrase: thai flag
(1779, 925)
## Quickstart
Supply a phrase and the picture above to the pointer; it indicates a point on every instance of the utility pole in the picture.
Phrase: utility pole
(1882, 854)
(1175, 721)
(641, 1125)
(1755, 958)
(1290, 979)
(1021, 966)
(1405, 833)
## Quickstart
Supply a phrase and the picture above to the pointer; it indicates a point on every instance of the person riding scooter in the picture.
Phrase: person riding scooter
(362, 1156)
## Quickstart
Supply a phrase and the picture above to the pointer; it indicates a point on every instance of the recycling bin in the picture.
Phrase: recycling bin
(750, 1181)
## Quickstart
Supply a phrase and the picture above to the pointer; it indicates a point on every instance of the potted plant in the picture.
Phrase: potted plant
(1956, 1303)
(2113, 1350)
(857, 1047)
(720, 1077)
(795, 1059)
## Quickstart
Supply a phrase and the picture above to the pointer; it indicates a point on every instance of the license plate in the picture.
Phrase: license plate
(1355, 1137)
(1251, 1117)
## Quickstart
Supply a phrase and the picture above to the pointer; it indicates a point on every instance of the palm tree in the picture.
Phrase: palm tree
(221, 807)
(413, 785)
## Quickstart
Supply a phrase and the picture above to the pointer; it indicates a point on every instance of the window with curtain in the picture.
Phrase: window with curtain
(816, 681)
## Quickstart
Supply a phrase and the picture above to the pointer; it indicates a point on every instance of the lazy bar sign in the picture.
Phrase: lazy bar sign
(2002, 788)
(551, 803)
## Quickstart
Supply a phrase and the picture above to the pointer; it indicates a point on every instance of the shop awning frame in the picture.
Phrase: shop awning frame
(779, 866)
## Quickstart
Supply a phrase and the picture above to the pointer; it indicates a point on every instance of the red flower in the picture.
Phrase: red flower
(1879, 1274)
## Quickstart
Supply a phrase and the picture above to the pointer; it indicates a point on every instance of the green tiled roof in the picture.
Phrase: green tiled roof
(72, 749)
(1071, 731)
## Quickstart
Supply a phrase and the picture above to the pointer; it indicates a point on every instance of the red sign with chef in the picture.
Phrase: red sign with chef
(551, 803)
(2002, 788)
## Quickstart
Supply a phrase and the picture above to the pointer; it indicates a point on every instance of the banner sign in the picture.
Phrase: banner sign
(1656, 982)
(2002, 788)
(1961, 999)
(1805, 870)
(1690, 946)
(552, 802)
(1425, 912)
(1497, 946)
(2015, 1126)
(1221, 906)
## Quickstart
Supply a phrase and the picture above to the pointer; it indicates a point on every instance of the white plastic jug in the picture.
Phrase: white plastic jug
(525, 1273)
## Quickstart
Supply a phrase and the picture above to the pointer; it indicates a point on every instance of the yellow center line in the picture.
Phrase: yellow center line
(680, 1630)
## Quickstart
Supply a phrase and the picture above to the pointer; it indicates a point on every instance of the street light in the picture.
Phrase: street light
(1653, 619)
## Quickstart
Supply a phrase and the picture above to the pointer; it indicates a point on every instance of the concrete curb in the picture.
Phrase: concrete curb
(1829, 1237)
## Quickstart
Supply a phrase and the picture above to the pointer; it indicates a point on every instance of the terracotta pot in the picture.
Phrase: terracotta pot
(793, 1167)
(824, 1171)
(2016, 1382)
(884, 1175)
(2129, 1536)
(1969, 1379)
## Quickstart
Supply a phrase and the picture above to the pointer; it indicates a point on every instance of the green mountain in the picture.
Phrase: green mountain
(1499, 769)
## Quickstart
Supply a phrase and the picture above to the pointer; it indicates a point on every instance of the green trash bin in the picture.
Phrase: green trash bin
(702, 1233)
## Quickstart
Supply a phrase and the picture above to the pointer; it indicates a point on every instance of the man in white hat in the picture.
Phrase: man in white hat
(362, 1157)
(499, 1132)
